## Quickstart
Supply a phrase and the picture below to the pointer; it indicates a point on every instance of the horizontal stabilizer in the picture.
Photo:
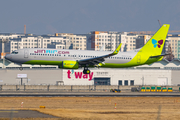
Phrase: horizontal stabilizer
(159, 55)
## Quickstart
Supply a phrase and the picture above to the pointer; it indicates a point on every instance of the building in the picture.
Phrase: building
(142, 40)
(60, 41)
(128, 41)
(124, 77)
(97, 39)
(111, 40)
(174, 42)
(10, 35)
(78, 42)
(37, 42)
(7, 37)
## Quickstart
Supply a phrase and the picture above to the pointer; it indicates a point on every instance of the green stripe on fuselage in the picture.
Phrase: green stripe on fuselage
(43, 62)
(131, 63)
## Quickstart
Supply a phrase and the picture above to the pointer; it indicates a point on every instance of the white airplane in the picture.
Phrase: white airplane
(74, 59)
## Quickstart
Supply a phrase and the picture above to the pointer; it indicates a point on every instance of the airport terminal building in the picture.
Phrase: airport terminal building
(96, 77)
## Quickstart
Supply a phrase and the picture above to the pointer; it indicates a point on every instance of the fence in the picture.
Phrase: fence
(63, 88)
(70, 88)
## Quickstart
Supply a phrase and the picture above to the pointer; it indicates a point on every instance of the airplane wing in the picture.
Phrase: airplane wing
(102, 48)
(99, 59)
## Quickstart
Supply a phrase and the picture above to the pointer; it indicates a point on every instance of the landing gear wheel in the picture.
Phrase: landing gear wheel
(86, 71)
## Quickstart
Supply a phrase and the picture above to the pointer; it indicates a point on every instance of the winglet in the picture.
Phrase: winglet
(117, 49)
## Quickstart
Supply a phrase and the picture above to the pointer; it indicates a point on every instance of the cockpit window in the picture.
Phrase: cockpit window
(14, 52)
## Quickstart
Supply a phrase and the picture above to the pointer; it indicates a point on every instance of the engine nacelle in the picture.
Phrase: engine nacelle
(67, 64)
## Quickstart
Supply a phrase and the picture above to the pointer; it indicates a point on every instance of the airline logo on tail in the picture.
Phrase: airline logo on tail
(157, 43)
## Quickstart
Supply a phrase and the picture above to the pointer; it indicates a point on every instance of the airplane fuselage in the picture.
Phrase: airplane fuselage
(56, 56)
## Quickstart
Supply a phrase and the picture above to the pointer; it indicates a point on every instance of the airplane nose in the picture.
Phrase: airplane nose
(7, 57)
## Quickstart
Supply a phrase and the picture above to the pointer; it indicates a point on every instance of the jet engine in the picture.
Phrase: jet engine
(67, 64)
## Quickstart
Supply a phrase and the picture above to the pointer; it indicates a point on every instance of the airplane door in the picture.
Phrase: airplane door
(26, 53)
(138, 59)
(75, 56)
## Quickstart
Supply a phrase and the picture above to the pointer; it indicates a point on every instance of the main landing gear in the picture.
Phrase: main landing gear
(86, 70)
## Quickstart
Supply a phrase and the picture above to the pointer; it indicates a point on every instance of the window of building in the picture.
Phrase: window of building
(120, 82)
(125, 82)
(132, 82)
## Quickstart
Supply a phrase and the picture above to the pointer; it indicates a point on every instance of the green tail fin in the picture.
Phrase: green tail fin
(155, 45)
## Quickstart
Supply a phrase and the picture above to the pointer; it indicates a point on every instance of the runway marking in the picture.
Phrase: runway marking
(24, 114)
(10, 111)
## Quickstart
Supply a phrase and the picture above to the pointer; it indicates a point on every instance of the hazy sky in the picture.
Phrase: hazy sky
(83, 16)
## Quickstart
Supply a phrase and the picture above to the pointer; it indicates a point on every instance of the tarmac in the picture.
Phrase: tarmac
(23, 114)
(88, 94)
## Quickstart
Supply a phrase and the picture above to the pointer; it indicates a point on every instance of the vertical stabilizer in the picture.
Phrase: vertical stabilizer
(155, 45)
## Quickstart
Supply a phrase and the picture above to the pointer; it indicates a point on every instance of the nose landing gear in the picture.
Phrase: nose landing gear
(21, 68)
